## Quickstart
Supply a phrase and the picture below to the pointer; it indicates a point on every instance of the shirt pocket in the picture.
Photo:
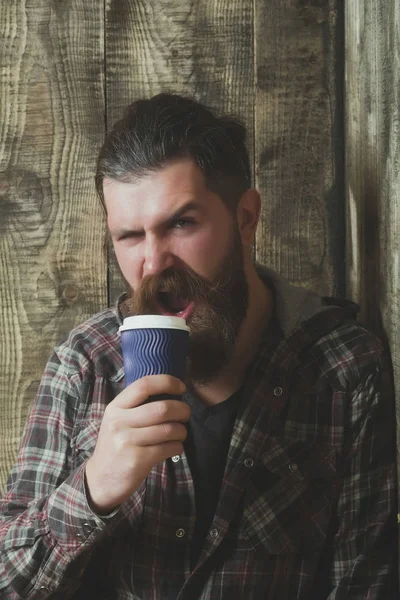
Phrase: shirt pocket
(289, 499)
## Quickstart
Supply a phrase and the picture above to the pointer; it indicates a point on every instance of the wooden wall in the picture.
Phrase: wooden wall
(52, 274)
(373, 168)
(68, 69)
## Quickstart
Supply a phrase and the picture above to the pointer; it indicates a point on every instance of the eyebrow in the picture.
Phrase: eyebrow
(191, 205)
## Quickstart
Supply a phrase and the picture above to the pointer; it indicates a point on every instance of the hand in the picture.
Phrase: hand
(134, 437)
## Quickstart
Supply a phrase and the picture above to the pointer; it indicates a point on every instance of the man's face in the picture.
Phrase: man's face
(180, 252)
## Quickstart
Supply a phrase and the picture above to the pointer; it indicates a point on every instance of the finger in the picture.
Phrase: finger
(157, 434)
(153, 413)
(139, 391)
(161, 452)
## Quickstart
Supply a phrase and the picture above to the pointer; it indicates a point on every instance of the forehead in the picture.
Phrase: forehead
(164, 186)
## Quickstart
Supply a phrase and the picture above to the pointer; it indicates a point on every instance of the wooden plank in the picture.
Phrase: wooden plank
(51, 125)
(299, 140)
(373, 168)
(201, 49)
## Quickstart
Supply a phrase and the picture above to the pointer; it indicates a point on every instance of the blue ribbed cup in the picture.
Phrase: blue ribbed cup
(153, 345)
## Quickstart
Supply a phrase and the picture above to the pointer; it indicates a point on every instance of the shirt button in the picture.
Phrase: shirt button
(278, 391)
(214, 533)
(249, 462)
(79, 536)
(87, 528)
(43, 588)
(293, 467)
(176, 458)
(180, 533)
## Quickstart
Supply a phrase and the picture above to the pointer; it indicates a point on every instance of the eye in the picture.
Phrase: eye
(129, 236)
(182, 223)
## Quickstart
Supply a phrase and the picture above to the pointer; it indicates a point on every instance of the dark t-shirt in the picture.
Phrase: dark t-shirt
(206, 446)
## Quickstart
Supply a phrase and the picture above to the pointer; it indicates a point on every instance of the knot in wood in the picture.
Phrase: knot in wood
(70, 293)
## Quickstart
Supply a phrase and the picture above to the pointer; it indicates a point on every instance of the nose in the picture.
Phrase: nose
(157, 257)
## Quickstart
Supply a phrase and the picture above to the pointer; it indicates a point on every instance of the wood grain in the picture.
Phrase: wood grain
(373, 168)
(276, 63)
(51, 124)
(200, 49)
(298, 143)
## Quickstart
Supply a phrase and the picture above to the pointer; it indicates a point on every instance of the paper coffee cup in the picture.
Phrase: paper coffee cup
(153, 345)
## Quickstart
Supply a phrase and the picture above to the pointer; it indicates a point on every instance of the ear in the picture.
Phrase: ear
(248, 215)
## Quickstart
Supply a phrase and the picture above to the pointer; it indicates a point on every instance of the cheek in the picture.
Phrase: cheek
(129, 265)
(204, 253)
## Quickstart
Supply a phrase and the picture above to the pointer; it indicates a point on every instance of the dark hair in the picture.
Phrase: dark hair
(155, 131)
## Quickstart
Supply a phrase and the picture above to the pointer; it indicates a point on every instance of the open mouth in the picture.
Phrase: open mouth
(172, 305)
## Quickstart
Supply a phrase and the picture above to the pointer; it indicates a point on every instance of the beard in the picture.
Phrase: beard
(220, 306)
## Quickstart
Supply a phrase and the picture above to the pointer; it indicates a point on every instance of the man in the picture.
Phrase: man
(274, 477)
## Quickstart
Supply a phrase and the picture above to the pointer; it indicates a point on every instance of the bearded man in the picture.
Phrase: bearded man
(274, 476)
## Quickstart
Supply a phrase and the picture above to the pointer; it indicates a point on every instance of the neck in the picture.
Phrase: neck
(257, 318)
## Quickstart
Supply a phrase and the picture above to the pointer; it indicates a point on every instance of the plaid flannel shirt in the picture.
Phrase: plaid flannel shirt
(307, 508)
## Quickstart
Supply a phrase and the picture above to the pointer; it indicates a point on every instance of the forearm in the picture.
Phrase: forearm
(39, 543)
(49, 544)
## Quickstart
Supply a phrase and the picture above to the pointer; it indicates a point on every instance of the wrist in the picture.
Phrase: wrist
(96, 503)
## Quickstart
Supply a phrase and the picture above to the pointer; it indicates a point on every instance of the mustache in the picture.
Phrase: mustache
(182, 283)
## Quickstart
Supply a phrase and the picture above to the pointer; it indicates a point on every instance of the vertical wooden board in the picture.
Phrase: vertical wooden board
(298, 142)
(373, 168)
(51, 124)
(202, 49)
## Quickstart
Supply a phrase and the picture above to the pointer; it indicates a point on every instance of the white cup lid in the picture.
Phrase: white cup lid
(153, 322)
